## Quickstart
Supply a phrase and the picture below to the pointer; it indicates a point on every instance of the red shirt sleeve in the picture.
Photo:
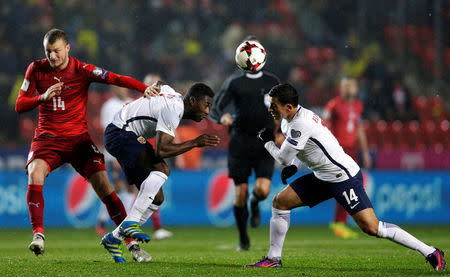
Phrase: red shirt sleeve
(100, 75)
(27, 99)
(329, 110)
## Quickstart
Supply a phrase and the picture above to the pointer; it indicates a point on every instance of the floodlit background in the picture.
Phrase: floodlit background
(398, 50)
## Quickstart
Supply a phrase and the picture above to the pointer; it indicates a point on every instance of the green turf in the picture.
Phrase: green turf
(308, 251)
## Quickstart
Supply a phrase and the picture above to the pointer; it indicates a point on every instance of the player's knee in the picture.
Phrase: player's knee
(262, 191)
(36, 175)
(163, 167)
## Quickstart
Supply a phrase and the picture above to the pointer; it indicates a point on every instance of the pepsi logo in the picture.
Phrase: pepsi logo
(219, 199)
(81, 202)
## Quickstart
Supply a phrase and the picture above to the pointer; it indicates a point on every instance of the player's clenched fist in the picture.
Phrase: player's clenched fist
(151, 91)
(51, 92)
(207, 140)
(265, 135)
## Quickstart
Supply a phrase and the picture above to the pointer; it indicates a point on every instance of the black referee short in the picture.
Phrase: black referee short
(247, 152)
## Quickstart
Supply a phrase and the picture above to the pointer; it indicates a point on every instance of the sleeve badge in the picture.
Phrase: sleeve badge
(97, 71)
(295, 133)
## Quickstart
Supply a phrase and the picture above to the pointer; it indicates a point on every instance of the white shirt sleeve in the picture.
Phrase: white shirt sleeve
(284, 155)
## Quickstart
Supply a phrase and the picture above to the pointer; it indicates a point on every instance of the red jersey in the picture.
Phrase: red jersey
(344, 118)
(65, 114)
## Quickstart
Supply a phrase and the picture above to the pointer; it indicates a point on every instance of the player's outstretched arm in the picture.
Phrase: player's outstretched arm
(131, 83)
(166, 147)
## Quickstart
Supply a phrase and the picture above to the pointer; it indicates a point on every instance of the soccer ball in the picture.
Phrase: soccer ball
(250, 56)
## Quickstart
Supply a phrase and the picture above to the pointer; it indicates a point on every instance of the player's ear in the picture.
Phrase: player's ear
(192, 100)
(68, 47)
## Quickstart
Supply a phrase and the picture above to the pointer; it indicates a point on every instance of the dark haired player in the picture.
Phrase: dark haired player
(246, 92)
(126, 139)
(335, 174)
(59, 86)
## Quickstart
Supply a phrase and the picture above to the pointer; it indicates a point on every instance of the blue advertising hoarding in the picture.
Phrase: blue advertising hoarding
(206, 197)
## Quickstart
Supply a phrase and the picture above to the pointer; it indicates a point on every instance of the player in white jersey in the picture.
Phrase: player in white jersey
(335, 174)
(126, 139)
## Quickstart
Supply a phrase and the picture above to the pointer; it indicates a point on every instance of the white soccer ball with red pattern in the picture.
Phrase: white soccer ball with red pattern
(250, 56)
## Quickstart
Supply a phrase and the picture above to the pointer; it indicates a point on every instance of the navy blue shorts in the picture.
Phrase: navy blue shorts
(350, 193)
(126, 147)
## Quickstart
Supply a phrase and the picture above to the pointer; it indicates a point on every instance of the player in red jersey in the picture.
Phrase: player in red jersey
(59, 86)
(343, 116)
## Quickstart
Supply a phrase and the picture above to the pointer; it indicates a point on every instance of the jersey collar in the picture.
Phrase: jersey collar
(296, 113)
(254, 76)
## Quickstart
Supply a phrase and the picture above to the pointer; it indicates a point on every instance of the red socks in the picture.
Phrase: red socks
(340, 214)
(156, 220)
(35, 203)
(115, 208)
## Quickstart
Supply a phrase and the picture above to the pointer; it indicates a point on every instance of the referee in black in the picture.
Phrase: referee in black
(246, 92)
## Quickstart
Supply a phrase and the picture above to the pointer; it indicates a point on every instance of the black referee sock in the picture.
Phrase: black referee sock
(241, 215)
(254, 199)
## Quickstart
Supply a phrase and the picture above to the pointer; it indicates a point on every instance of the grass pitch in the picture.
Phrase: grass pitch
(206, 251)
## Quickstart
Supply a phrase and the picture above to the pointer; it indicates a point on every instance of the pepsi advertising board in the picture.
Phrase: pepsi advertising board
(206, 198)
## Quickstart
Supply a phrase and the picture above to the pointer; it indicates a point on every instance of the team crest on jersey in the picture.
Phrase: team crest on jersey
(141, 140)
(295, 133)
(291, 141)
(97, 71)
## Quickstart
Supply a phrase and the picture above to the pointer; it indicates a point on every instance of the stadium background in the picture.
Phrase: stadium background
(399, 50)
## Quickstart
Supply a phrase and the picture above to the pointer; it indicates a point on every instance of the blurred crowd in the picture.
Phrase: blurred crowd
(310, 44)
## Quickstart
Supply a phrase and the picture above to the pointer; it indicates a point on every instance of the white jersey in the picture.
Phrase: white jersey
(145, 116)
(110, 108)
(317, 148)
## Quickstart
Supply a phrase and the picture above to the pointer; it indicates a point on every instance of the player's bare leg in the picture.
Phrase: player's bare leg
(240, 211)
(282, 204)
(37, 171)
(369, 223)
(260, 192)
